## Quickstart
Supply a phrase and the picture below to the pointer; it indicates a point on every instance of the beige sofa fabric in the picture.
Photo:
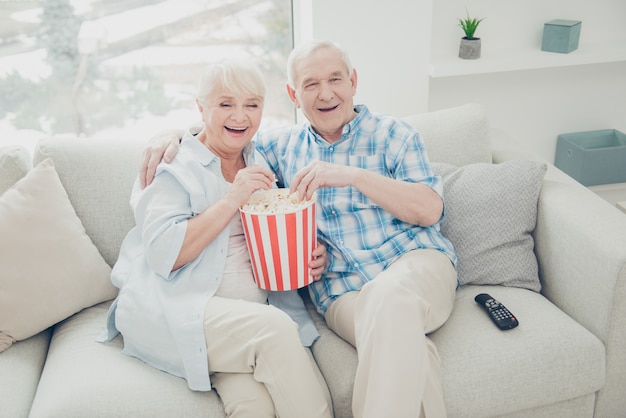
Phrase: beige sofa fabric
(458, 136)
(51, 269)
(20, 370)
(14, 163)
(83, 378)
(98, 175)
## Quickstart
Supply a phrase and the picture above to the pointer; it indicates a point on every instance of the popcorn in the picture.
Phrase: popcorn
(274, 201)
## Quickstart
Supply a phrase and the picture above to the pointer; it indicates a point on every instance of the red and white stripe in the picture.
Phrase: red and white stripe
(280, 247)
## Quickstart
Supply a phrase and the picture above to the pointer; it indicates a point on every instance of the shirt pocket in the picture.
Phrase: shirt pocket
(373, 163)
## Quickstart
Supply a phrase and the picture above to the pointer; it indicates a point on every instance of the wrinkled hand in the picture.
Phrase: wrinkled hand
(318, 175)
(247, 181)
(317, 265)
(162, 146)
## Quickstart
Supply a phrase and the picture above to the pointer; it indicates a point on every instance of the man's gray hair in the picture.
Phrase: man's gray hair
(305, 49)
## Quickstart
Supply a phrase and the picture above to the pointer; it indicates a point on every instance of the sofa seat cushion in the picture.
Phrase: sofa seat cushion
(84, 378)
(548, 358)
(20, 369)
(521, 371)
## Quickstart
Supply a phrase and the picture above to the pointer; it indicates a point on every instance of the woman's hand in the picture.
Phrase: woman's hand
(317, 265)
(247, 181)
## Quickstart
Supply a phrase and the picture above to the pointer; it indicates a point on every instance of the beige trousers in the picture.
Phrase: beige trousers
(398, 373)
(258, 365)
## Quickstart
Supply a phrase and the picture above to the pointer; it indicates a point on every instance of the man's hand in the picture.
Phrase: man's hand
(162, 146)
(320, 174)
(317, 265)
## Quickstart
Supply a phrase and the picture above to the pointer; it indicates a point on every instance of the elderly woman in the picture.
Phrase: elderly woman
(188, 304)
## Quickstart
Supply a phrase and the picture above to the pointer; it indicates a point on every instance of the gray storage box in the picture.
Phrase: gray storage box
(594, 157)
(561, 35)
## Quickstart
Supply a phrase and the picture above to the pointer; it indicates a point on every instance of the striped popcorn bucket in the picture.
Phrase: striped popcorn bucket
(280, 241)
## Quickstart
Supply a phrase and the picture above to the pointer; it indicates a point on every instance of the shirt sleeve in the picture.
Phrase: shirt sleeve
(412, 163)
(161, 212)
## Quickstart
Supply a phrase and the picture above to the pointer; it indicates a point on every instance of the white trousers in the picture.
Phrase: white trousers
(398, 373)
(258, 365)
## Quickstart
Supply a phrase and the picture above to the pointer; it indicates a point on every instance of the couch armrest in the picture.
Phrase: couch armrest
(580, 242)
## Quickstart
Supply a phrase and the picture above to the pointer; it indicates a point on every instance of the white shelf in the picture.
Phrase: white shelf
(450, 65)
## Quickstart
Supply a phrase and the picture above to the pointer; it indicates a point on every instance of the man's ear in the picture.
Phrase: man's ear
(354, 80)
(292, 95)
(199, 106)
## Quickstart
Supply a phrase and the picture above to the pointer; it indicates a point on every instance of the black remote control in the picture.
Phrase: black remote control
(498, 313)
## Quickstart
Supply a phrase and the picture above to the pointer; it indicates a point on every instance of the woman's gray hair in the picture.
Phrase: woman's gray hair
(236, 76)
(307, 48)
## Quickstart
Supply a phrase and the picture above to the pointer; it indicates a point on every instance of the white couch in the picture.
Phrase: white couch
(566, 359)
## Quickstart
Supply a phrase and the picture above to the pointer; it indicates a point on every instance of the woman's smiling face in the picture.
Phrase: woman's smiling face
(230, 119)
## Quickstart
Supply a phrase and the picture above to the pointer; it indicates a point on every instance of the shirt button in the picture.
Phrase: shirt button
(331, 149)
(356, 265)
(341, 242)
(333, 212)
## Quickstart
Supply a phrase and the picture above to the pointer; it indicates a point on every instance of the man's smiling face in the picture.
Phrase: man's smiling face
(324, 90)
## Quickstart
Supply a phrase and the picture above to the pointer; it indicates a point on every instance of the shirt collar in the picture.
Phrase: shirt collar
(205, 156)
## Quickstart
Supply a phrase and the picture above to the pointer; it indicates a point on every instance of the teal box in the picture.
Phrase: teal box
(594, 157)
(561, 35)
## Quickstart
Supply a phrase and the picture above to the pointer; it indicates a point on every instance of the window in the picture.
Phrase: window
(129, 68)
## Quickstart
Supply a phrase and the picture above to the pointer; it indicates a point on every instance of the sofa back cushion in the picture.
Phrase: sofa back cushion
(98, 175)
(15, 162)
(458, 135)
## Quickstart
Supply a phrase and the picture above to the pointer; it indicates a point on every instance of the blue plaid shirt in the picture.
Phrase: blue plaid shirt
(361, 238)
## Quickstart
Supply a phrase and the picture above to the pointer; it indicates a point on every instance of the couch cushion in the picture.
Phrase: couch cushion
(548, 363)
(548, 358)
(336, 360)
(490, 214)
(14, 164)
(84, 378)
(20, 370)
(459, 135)
(98, 175)
(50, 267)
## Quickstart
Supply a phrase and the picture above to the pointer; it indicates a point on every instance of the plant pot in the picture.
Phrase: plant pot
(469, 49)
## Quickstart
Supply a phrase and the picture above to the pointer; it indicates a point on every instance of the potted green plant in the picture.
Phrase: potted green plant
(470, 45)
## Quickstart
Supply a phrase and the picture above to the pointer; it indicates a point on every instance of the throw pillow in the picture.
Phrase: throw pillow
(50, 267)
(490, 214)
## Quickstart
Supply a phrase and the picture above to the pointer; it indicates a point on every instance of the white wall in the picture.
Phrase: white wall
(394, 43)
(533, 107)
(543, 94)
